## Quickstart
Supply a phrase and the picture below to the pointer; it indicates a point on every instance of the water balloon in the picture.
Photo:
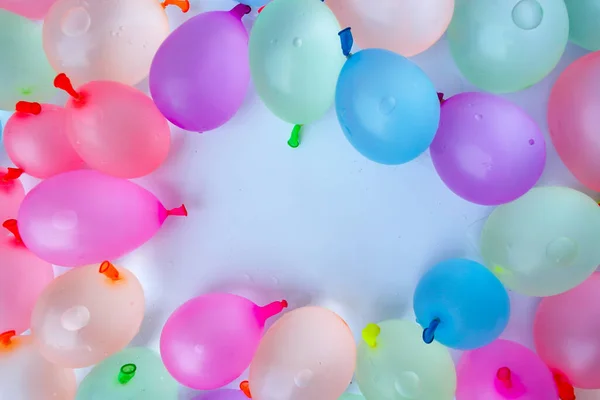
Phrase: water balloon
(11, 193)
(29, 9)
(225, 394)
(583, 22)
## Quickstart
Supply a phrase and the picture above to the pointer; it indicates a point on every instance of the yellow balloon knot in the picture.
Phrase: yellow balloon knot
(370, 333)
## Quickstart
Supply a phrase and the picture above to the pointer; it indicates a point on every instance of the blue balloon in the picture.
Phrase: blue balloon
(388, 108)
(253, 3)
(461, 304)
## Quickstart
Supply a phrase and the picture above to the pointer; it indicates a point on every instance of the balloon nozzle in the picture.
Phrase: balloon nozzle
(240, 10)
(11, 174)
(294, 140)
(245, 387)
(63, 82)
(270, 310)
(184, 5)
(109, 270)
(347, 41)
(11, 225)
(6, 338)
(370, 334)
(505, 377)
(180, 211)
(563, 386)
(441, 97)
(126, 373)
(429, 332)
(28, 107)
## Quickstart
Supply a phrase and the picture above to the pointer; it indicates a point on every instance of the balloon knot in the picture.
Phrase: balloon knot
(245, 387)
(11, 226)
(261, 9)
(109, 270)
(370, 334)
(126, 373)
(429, 332)
(504, 376)
(564, 387)
(184, 5)
(347, 41)
(6, 338)
(63, 82)
(28, 107)
(180, 211)
(294, 140)
(441, 97)
(11, 174)
(240, 10)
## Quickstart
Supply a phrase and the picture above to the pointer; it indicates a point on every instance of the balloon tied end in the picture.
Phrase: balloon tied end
(184, 5)
(504, 375)
(370, 334)
(12, 226)
(27, 107)
(6, 338)
(441, 97)
(240, 10)
(126, 373)
(109, 270)
(294, 140)
(429, 332)
(245, 388)
(63, 82)
(11, 174)
(180, 211)
(563, 386)
(347, 41)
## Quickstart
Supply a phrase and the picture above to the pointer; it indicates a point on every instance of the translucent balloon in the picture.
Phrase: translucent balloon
(487, 150)
(395, 364)
(225, 394)
(194, 94)
(309, 353)
(35, 139)
(84, 217)
(506, 46)
(461, 304)
(26, 375)
(350, 396)
(407, 27)
(132, 374)
(566, 333)
(504, 370)
(210, 340)
(36, 9)
(115, 129)
(109, 40)
(11, 193)
(537, 250)
(87, 314)
(24, 70)
(572, 127)
(583, 23)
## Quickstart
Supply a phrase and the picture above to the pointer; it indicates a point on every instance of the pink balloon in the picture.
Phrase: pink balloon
(567, 333)
(504, 370)
(85, 217)
(573, 126)
(32, 9)
(11, 193)
(115, 128)
(210, 340)
(36, 141)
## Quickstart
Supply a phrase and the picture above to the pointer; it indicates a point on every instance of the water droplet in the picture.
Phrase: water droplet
(274, 41)
(562, 251)
(408, 385)
(75, 318)
(75, 22)
(118, 33)
(387, 105)
(121, 28)
(303, 378)
(113, 33)
(527, 14)
(531, 142)
(297, 42)
(478, 117)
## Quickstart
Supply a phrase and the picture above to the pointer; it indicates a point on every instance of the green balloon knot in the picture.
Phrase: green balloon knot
(127, 373)
(294, 140)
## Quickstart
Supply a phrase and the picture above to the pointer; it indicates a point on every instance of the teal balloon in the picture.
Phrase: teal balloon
(584, 20)
(295, 58)
(351, 396)
(504, 46)
(25, 73)
(113, 378)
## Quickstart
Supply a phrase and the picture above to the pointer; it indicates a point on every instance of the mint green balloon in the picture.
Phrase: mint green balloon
(351, 396)
(25, 73)
(545, 242)
(584, 19)
(136, 373)
(394, 363)
(508, 45)
(296, 58)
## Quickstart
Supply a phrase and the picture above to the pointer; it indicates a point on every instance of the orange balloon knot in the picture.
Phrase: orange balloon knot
(110, 271)
(28, 107)
(6, 338)
(245, 387)
(184, 5)
(564, 387)
(180, 211)
(11, 226)
(63, 82)
(11, 174)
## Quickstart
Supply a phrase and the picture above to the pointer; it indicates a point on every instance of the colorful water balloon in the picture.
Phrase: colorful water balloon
(116, 129)
(35, 139)
(583, 23)
(582, 394)
(224, 394)
(309, 353)
(506, 46)
(487, 150)
(536, 250)
(191, 93)
(11, 193)
(461, 304)
(134, 373)
(351, 396)
(110, 40)
(572, 126)
(25, 73)
(566, 333)
(210, 340)
(29, 9)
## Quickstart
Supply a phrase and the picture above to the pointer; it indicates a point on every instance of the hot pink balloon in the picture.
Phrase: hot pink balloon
(504, 370)
(85, 217)
(115, 128)
(210, 340)
(11, 193)
(32, 9)
(36, 141)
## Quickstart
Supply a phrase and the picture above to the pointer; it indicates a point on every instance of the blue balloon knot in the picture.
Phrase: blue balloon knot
(429, 332)
(347, 41)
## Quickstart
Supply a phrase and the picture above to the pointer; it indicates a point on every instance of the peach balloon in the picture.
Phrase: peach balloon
(106, 40)
(309, 353)
(87, 314)
(26, 375)
(12, 193)
(36, 9)
(36, 141)
(407, 27)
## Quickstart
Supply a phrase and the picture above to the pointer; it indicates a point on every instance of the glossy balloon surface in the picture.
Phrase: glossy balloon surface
(309, 353)
(583, 23)
(406, 27)
(36, 9)
(11, 196)
(566, 333)
(194, 94)
(351, 396)
(582, 394)
(224, 394)
(487, 150)
(543, 243)
(295, 59)
(25, 73)
(110, 380)
(104, 40)
(507, 46)
(386, 105)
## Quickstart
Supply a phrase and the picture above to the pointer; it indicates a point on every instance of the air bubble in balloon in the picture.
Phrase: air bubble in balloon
(29, 9)
(11, 193)
(583, 24)
(210, 340)
(224, 394)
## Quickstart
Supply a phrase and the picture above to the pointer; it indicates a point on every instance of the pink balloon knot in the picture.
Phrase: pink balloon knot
(503, 375)
(245, 387)
(284, 304)
(12, 226)
(28, 107)
(11, 175)
(180, 211)
(564, 387)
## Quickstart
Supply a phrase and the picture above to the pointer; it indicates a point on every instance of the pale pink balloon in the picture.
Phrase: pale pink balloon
(32, 9)
(407, 27)
(115, 128)
(11, 193)
(87, 314)
(26, 375)
(309, 353)
(35, 139)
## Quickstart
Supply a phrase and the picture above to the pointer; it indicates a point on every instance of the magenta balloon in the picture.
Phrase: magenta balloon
(85, 217)
(225, 394)
(487, 150)
(201, 73)
(567, 333)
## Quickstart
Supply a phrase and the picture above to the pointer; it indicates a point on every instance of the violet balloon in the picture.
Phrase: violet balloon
(225, 394)
(85, 217)
(487, 150)
(200, 74)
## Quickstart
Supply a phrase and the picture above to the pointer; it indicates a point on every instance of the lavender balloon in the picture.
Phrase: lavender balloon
(201, 73)
(487, 150)
(223, 394)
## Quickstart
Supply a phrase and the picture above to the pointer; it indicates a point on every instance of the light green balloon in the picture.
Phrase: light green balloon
(401, 366)
(508, 45)
(351, 396)
(296, 58)
(584, 19)
(545, 242)
(150, 381)
(25, 73)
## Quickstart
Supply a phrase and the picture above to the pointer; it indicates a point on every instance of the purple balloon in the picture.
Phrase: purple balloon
(487, 150)
(224, 394)
(201, 73)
